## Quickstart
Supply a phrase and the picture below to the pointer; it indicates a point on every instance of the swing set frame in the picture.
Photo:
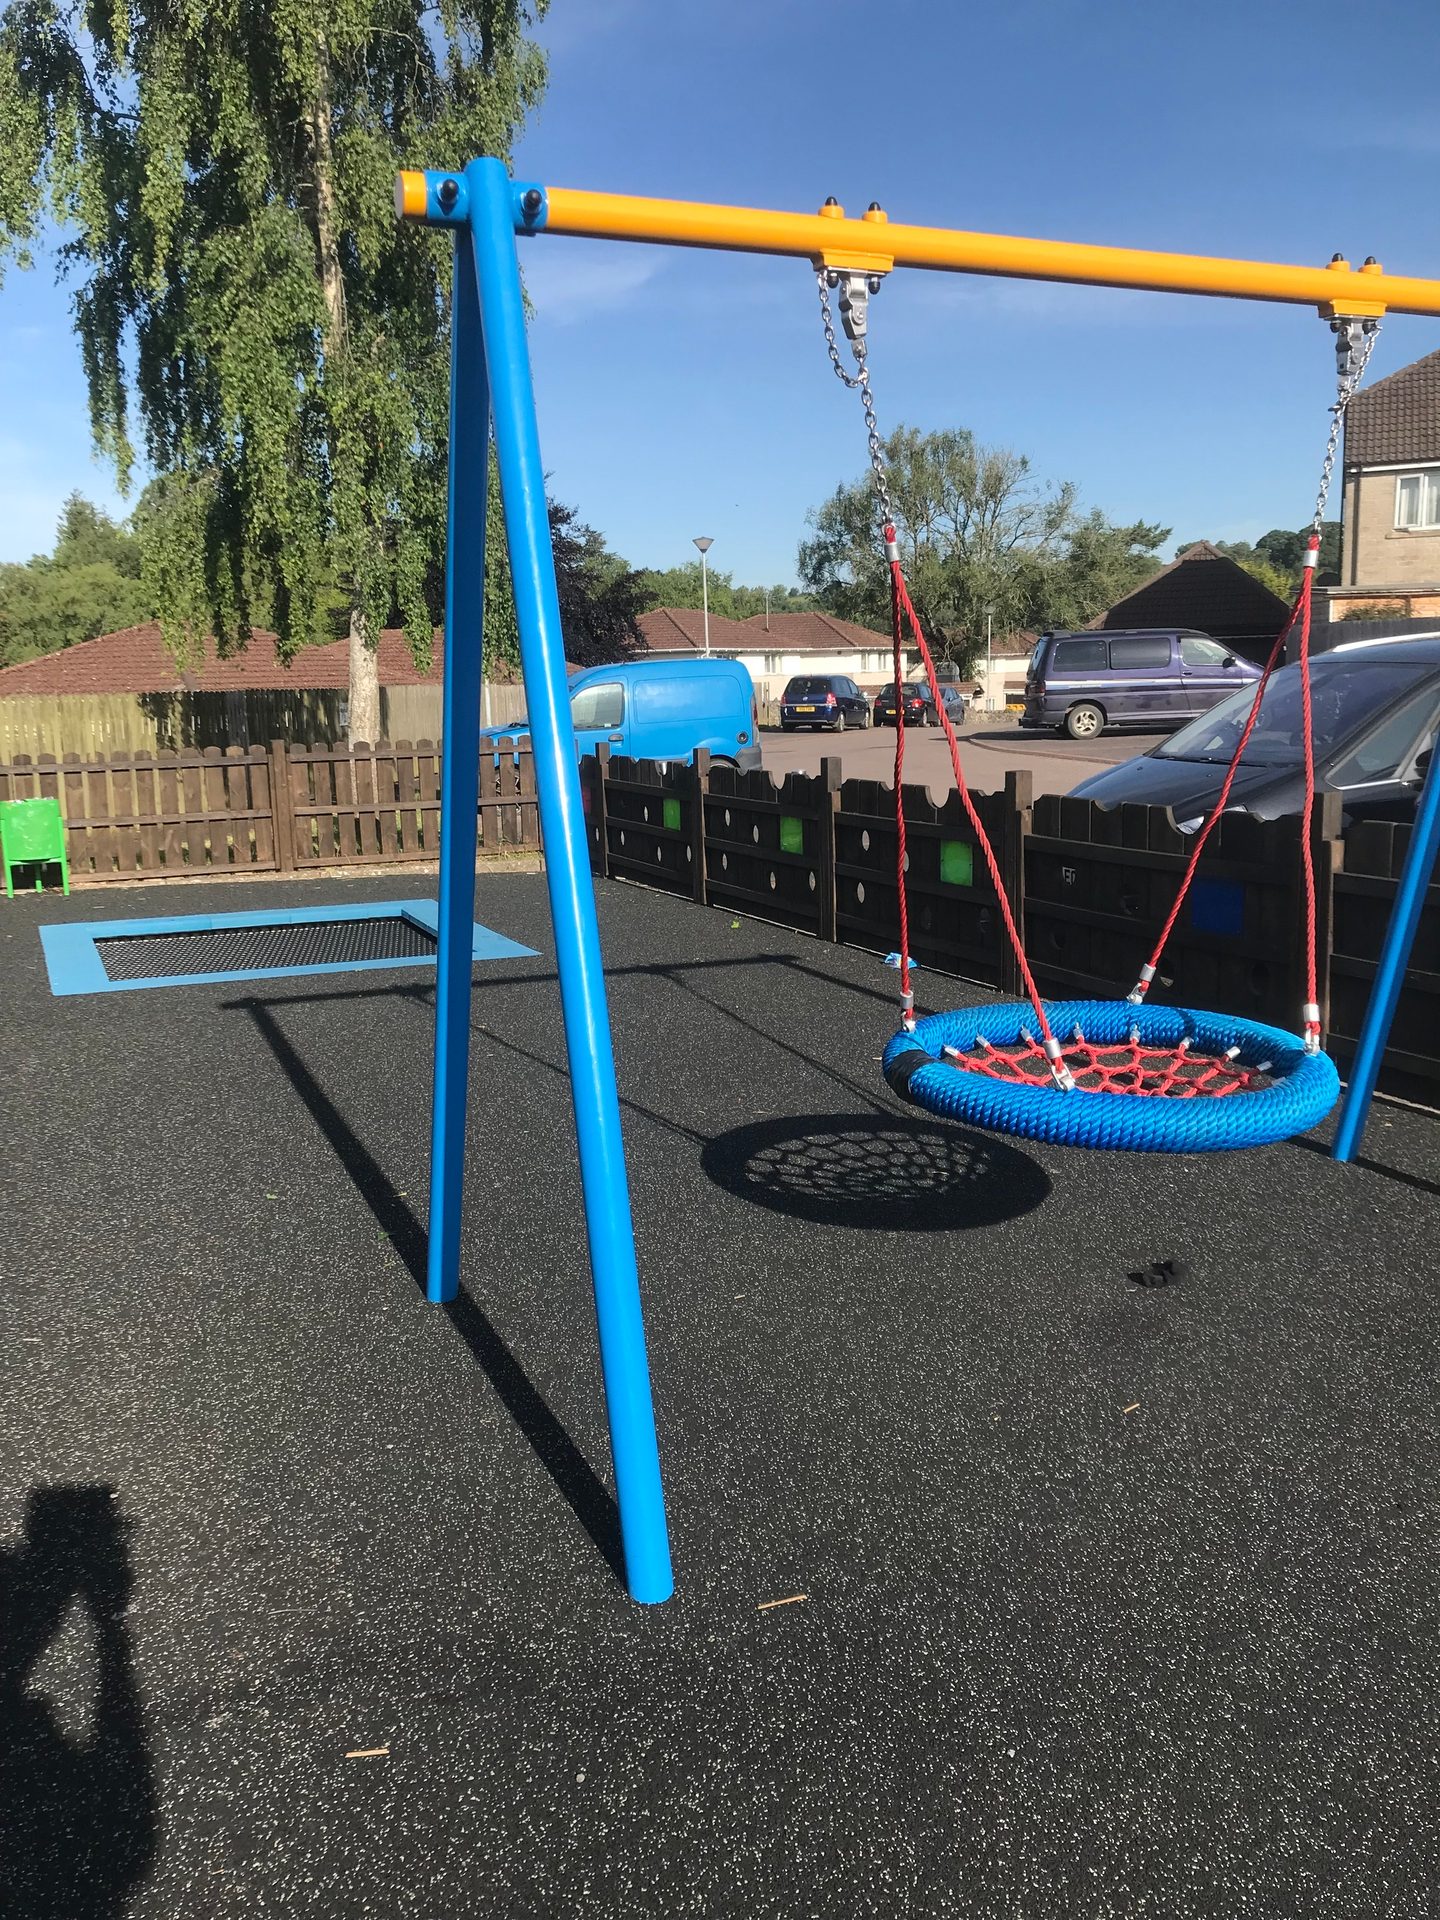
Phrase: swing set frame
(492, 388)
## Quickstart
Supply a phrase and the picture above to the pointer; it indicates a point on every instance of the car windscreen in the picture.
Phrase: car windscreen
(806, 689)
(1344, 696)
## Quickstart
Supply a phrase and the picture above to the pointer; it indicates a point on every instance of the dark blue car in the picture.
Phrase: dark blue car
(1375, 706)
(1082, 683)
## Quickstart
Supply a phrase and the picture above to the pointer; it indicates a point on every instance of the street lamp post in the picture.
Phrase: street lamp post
(704, 543)
(989, 664)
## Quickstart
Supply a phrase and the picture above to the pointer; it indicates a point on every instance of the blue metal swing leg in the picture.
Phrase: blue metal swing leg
(1394, 956)
(480, 204)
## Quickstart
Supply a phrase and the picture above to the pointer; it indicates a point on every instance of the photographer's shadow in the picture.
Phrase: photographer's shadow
(78, 1825)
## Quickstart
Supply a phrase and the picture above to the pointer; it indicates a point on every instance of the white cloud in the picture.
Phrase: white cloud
(569, 280)
(1058, 301)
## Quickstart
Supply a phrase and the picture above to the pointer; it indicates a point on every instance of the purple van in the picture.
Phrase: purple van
(1154, 678)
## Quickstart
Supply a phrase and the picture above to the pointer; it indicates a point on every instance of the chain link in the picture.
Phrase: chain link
(1352, 363)
(860, 382)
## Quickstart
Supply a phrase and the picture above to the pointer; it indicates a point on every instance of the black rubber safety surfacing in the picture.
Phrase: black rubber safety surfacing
(328, 943)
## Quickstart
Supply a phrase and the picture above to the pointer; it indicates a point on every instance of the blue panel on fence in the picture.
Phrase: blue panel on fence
(1217, 906)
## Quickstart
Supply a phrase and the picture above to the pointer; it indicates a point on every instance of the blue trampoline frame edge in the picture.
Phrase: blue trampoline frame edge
(1304, 1088)
(75, 966)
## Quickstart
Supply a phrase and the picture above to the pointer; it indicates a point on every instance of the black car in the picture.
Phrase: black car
(823, 700)
(919, 707)
(1376, 711)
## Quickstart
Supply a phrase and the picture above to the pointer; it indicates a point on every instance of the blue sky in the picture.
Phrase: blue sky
(687, 393)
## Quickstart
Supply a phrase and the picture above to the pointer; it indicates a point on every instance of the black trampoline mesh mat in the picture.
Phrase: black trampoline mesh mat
(329, 943)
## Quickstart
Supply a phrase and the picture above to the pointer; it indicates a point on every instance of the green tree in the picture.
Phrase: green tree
(89, 585)
(225, 177)
(680, 587)
(978, 534)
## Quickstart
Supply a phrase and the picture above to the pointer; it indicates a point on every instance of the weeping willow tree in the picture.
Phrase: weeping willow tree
(254, 324)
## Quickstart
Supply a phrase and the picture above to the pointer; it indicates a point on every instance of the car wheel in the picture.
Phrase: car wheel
(1085, 722)
(839, 726)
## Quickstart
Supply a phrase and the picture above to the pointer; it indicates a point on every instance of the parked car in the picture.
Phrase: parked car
(823, 700)
(919, 707)
(1376, 712)
(1082, 683)
(665, 710)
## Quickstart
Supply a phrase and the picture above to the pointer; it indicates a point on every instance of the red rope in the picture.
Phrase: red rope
(1123, 1067)
(1300, 611)
(901, 606)
(1311, 1014)
(907, 998)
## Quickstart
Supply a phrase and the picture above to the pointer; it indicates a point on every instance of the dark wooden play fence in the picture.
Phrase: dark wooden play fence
(816, 853)
(1090, 887)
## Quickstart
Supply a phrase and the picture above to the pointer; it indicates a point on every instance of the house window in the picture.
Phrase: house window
(1417, 499)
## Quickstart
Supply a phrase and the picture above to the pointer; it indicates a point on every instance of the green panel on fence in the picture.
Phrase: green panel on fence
(672, 813)
(957, 863)
(792, 833)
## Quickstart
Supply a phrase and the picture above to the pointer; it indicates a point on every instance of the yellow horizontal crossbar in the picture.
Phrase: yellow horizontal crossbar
(874, 244)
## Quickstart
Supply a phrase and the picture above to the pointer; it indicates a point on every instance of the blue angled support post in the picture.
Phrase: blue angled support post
(1394, 957)
(485, 208)
(459, 771)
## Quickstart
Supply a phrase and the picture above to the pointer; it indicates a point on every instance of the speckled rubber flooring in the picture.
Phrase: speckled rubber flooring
(1119, 1600)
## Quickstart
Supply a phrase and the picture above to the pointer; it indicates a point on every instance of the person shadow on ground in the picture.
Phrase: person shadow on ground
(78, 1825)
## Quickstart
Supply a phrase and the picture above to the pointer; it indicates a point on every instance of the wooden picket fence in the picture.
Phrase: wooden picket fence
(281, 809)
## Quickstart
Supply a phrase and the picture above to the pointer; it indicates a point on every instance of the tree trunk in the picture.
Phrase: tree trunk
(364, 660)
(364, 684)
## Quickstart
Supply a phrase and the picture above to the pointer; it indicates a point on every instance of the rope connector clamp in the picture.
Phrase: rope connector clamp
(1142, 986)
(1055, 1053)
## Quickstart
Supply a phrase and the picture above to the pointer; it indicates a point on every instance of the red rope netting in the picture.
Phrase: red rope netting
(1124, 1067)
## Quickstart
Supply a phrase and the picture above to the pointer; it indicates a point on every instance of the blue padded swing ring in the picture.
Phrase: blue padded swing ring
(1301, 1091)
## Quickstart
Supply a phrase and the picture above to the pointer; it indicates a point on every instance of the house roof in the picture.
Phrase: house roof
(1397, 419)
(1205, 589)
(135, 660)
(811, 633)
(682, 630)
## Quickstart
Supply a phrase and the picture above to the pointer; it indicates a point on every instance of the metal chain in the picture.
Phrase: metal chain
(1352, 365)
(860, 382)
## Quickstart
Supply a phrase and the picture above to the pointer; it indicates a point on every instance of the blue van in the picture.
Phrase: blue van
(665, 709)
(1156, 678)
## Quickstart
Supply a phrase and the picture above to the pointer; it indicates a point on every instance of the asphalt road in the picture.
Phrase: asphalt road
(987, 752)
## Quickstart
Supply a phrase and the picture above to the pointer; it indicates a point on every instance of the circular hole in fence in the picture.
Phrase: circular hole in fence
(725, 863)
(755, 833)
(1058, 938)
(659, 853)
(622, 837)
(860, 891)
(689, 853)
(645, 813)
(906, 868)
(727, 816)
(865, 839)
(772, 882)
(813, 883)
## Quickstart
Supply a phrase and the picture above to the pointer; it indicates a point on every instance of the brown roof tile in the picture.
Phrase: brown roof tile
(812, 633)
(135, 660)
(682, 630)
(1397, 419)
